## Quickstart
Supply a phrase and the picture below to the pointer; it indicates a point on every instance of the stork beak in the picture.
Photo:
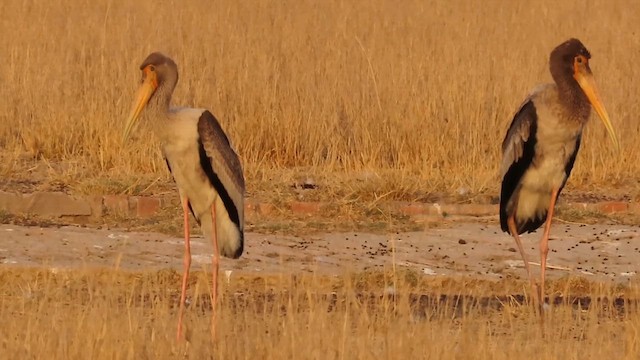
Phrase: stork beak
(587, 83)
(146, 90)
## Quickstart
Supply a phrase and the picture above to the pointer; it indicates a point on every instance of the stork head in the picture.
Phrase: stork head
(569, 65)
(157, 70)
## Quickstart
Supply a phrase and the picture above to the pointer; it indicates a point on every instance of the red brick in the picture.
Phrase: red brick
(117, 204)
(412, 208)
(251, 207)
(447, 209)
(12, 203)
(427, 218)
(266, 209)
(44, 204)
(146, 206)
(56, 204)
(305, 208)
(255, 208)
(577, 206)
(478, 209)
(78, 219)
(96, 204)
(613, 207)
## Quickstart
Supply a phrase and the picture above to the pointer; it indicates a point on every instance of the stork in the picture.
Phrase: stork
(204, 165)
(540, 149)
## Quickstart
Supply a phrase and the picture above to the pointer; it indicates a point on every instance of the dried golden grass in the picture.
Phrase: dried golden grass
(371, 98)
(87, 314)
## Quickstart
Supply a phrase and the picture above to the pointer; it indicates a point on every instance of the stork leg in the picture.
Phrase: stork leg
(187, 265)
(511, 222)
(544, 245)
(215, 262)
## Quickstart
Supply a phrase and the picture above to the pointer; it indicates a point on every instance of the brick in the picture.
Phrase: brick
(305, 208)
(56, 204)
(117, 204)
(412, 208)
(255, 208)
(487, 199)
(266, 209)
(634, 208)
(613, 207)
(427, 218)
(95, 203)
(52, 204)
(415, 209)
(146, 206)
(448, 209)
(251, 207)
(478, 210)
(577, 206)
(48, 204)
(79, 220)
(12, 203)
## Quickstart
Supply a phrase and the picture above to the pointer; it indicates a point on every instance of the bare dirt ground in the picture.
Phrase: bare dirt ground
(463, 279)
(607, 253)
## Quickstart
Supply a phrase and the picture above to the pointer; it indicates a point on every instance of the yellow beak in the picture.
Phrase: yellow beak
(148, 87)
(588, 85)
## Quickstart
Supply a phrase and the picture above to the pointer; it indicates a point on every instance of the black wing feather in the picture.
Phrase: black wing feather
(215, 149)
(205, 163)
(525, 121)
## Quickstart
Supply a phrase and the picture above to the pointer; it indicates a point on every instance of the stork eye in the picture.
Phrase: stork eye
(579, 59)
(152, 68)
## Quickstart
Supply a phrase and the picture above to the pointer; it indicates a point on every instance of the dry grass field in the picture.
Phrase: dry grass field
(371, 99)
(119, 315)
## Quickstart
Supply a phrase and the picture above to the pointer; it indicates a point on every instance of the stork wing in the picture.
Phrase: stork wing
(520, 134)
(518, 151)
(222, 166)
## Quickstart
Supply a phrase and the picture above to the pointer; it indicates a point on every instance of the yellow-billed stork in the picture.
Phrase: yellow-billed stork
(541, 145)
(204, 165)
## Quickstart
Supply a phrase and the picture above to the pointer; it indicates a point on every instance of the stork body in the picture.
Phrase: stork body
(188, 138)
(206, 169)
(541, 146)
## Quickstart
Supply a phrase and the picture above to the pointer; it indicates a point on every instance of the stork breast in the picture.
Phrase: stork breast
(556, 139)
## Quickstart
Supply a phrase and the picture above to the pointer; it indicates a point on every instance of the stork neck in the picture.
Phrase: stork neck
(573, 99)
(161, 100)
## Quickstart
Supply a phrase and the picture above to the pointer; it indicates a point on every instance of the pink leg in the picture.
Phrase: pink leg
(215, 268)
(511, 222)
(544, 245)
(187, 265)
